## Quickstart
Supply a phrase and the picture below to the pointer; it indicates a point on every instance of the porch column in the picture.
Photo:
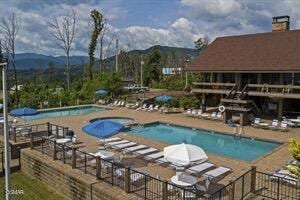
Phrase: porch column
(203, 103)
(238, 80)
(280, 108)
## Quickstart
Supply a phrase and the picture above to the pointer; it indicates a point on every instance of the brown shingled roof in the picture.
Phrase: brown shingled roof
(274, 51)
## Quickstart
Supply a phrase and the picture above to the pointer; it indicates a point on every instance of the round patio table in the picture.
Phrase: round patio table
(184, 180)
(63, 140)
(104, 154)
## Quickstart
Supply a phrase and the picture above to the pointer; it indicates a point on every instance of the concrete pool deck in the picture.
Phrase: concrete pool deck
(267, 163)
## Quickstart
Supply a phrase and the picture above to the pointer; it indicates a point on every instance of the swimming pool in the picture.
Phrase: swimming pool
(65, 112)
(121, 120)
(242, 148)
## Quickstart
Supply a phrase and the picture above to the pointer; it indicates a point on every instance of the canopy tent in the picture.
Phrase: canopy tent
(103, 128)
(163, 98)
(184, 154)
(102, 92)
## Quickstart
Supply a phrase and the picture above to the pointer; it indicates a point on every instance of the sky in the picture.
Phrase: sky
(139, 24)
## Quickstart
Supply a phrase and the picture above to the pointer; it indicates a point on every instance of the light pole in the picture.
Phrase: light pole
(142, 63)
(5, 132)
(186, 73)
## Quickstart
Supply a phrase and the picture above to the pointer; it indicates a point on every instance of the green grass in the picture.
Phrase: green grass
(32, 189)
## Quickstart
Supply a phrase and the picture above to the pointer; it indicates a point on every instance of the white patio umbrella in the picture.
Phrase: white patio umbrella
(184, 154)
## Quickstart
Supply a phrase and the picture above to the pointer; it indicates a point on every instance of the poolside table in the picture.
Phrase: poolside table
(184, 180)
(63, 140)
(104, 154)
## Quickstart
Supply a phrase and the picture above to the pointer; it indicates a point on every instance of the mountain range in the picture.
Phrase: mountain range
(26, 61)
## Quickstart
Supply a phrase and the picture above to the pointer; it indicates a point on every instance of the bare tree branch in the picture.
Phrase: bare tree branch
(64, 31)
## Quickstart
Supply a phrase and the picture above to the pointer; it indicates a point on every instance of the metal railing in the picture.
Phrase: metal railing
(21, 133)
(15, 164)
(149, 187)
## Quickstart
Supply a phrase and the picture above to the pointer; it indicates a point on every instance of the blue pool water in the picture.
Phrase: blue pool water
(246, 149)
(65, 112)
(121, 120)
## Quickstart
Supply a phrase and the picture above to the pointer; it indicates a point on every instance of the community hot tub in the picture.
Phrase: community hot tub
(121, 120)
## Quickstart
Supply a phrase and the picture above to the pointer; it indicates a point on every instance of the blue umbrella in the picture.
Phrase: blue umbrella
(103, 128)
(102, 92)
(163, 98)
(23, 112)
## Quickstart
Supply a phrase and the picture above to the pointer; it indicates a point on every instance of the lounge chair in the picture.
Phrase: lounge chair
(134, 148)
(217, 173)
(154, 109)
(274, 125)
(149, 108)
(142, 107)
(154, 156)
(198, 114)
(213, 116)
(285, 176)
(199, 169)
(205, 116)
(165, 162)
(283, 126)
(135, 106)
(114, 139)
(256, 122)
(121, 104)
(118, 142)
(114, 103)
(145, 151)
(188, 112)
(193, 113)
(219, 116)
(123, 145)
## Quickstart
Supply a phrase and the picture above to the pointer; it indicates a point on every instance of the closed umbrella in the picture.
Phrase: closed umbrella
(184, 154)
(163, 98)
(103, 128)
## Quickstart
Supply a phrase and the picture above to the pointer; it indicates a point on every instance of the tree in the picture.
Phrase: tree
(200, 44)
(9, 28)
(295, 151)
(152, 67)
(101, 44)
(64, 30)
(98, 26)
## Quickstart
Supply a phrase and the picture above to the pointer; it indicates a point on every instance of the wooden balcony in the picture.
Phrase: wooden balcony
(263, 90)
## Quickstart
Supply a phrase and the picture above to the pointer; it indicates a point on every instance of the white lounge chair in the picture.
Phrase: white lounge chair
(124, 145)
(198, 169)
(114, 139)
(274, 124)
(213, 115)
(154, 108)
(134, 148)
(147, 108)
(199, 114)
(193, 113)
(154, 156)
(135, 106)
(216, 173)
(283, 126)
(188, 112)
(142, 107)
(118, 142)
(219, 116)
(256, 122)
(145, 151)
(284, 176)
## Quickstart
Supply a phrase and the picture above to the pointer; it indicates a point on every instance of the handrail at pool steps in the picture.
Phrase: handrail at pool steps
(146, 186)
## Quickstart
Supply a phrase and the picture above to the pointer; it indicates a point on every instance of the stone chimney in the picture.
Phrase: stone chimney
(281, 23)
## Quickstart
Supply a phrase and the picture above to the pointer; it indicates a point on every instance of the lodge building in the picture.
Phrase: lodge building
(252, 75)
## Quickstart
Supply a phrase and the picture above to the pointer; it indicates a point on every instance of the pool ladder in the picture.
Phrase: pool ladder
(237, 134)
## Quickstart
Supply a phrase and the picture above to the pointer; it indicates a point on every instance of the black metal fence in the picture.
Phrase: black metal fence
(22, 133)
(149, 187)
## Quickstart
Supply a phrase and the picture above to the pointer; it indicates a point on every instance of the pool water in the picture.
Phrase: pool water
(242, 148)
(64, 112)
(121, 120)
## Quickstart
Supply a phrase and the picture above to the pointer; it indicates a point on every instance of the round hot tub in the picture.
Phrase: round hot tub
(121, 120)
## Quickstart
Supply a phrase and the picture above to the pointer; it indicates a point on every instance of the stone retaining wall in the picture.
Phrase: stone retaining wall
(69, 183)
